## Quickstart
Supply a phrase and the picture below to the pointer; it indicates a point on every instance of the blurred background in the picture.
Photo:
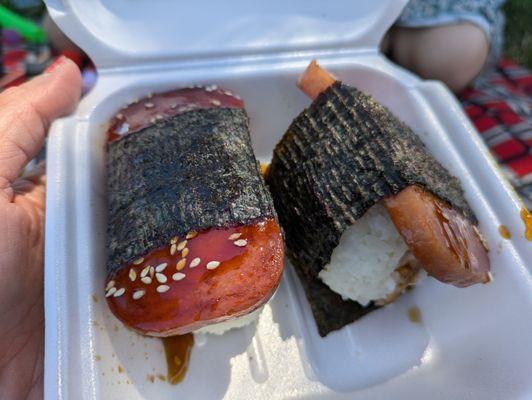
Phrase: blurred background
(498, 101)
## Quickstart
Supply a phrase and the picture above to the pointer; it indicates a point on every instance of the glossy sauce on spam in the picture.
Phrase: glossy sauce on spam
(162, 290)
(430, 226)
(456, 233)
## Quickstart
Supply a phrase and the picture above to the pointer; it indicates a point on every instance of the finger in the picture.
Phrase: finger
(36, 171)
(32, 181)
(26, 112)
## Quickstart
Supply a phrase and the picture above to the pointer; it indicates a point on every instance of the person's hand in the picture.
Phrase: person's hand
(25, 114)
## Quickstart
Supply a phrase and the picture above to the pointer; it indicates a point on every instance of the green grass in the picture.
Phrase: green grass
(518, 31)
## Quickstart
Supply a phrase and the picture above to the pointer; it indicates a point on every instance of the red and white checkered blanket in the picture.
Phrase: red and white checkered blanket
(500, 106)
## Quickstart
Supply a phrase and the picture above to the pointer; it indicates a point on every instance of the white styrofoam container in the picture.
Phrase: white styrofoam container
(472, 343)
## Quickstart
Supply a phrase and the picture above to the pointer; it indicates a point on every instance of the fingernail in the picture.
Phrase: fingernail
(55, 64)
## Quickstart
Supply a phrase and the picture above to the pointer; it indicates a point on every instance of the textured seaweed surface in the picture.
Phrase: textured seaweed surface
(191, 172)
(338, 158)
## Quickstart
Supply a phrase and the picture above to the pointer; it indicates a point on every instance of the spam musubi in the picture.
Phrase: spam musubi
(364, 206)
(192, 236)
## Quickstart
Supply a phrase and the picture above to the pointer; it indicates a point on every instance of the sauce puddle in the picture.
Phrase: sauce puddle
(414, 315)
(504, 232)
(526, 216)
(177, 350)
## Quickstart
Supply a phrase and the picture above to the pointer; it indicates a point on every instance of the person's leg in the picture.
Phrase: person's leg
(454, 54)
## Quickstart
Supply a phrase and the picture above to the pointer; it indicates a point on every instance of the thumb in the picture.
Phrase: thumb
(26, 112)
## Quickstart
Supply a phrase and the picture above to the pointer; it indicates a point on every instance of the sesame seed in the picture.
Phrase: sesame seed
(110, 292)
(236, 96)
(184, 253)
(195, 262)
(216, 103)
(152, 271)
(119, 292)
(490, 276)
(173, 105)
(149, 104)
(178, 276)
(213, 264)
(240, 242)
(161, 278)
(235, 236)
(191, 235)
(138, 261)
(181, 264)
(146, 280)
(138, 294)
(182, 245)
(153, 120)
(159, 117)
(163, 288)
(110, 284)
(161, 267)
(173, 249)
(132, 275)
(145, 271)
(174, 240)
(119, 116)
(227, 93)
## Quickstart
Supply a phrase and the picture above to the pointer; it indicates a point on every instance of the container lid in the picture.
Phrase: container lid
(126, 32)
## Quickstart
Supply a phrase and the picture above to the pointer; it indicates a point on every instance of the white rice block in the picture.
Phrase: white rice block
(234, 323)
(362, 264)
